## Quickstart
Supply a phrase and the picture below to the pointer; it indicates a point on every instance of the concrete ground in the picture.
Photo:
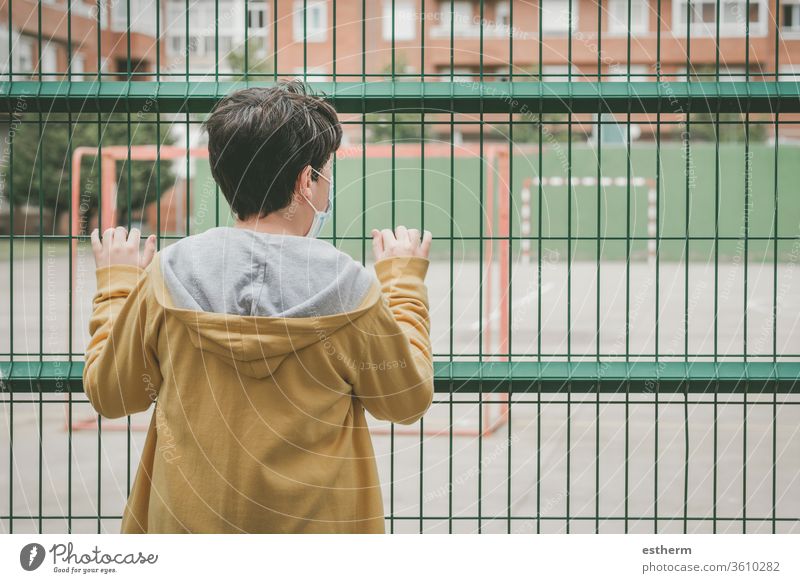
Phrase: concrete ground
(531, 447)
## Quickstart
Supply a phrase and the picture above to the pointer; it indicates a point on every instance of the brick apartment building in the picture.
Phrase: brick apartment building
(461, 38)
(59, 43)
(610, 48)
(301, 41)
(439, 39)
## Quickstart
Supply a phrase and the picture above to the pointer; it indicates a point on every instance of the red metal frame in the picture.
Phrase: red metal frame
(111, 154)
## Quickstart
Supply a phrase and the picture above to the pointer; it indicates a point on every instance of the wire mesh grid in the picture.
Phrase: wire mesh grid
(612, 192)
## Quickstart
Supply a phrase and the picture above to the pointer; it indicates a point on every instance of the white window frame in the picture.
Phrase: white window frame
(201, 27)
(319, 35)
(706, 29)
(735, 73)
(502, 10)
(24, 57)
(467, 21)
(202, 16)
(639, 72)
(618, 23)
(727, 73)
(143, 16)
(312, 75)
(196, 50)
(231, 15)
(172, 40)
(49, 62)
(791, 31)
(555, 20)
(558, 73)
(4, 56)
(464, 23)
(256, 7)
(186, 47)
(405, 20)
(789, 73)
(226, 47)
(460, 74)
(81, 8)
(78, 67)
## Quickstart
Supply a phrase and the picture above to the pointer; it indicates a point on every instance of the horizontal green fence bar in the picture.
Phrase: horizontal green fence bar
(519, 377)
(430, 97)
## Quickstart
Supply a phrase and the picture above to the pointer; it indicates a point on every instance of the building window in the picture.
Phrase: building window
(790, 16)
(49, 63)
(198, 46)
(461, 13)
(619, 72)
(733, 21)
(618, 16)
(556, 16)
(179, 46)
(82, 8)
(311, 75)
(78, 67)
(203, 34)
(734, 73)
(311, 18)
(789, 73)
(257, 16)
(465, 20)
(405, 20)
(142, 16)
(558, 73)
(460, 74)
(23, 55)
(225, 45)
(175, 45)
(203, 17)
(501, 15)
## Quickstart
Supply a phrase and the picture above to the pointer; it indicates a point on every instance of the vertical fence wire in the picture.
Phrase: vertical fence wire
(11, 404)
(70, 311)
(510, 324)
(422, 139)
(657, 245)
(540, 207)
(494, 176)
(598, 263)
(481, 277)
(40, 179)
(452, 281)
(774, 311)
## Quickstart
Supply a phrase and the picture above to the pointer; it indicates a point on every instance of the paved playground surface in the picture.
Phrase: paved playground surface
(532, 449)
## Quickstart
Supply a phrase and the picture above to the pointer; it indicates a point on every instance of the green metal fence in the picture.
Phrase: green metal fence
(614, 282)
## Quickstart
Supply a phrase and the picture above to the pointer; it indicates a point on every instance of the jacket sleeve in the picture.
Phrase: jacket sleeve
(121, 373)
(394, 376)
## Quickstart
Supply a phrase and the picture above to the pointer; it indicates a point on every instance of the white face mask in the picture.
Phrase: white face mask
(321, 217)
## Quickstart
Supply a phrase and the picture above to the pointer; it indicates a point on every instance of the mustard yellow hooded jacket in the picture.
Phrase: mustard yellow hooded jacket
(261, 353)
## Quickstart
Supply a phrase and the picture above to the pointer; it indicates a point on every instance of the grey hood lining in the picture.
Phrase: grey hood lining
(237, 271)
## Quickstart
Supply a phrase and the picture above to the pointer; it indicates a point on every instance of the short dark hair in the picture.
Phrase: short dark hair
(260, 139)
